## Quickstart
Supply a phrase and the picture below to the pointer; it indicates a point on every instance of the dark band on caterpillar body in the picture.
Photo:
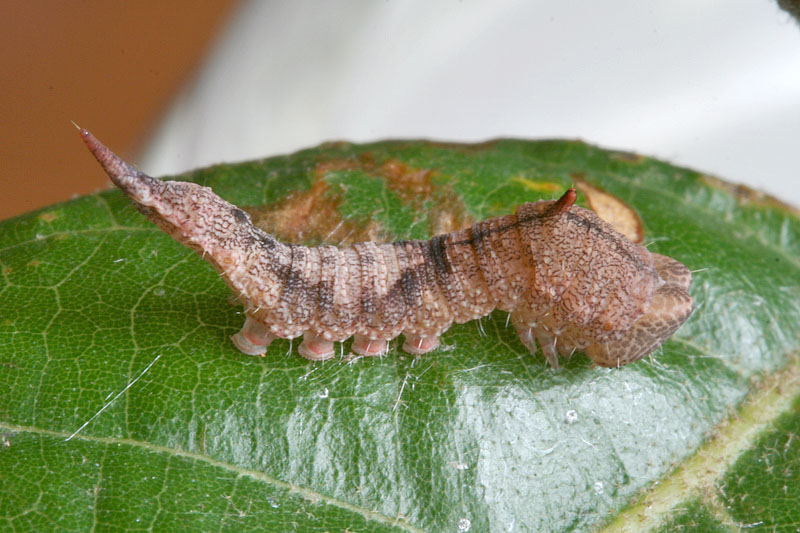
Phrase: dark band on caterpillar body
(570, 281)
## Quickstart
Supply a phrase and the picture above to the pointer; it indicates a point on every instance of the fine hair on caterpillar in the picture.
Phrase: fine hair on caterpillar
(568, 279)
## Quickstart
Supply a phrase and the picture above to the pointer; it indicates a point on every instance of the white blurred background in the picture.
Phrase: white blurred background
(713, 85)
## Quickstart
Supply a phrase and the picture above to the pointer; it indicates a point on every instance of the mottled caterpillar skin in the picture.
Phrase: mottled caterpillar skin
(570, 281)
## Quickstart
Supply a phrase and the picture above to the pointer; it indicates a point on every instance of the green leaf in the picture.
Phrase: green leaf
(123, 403)
(694, 516)
(773, 465)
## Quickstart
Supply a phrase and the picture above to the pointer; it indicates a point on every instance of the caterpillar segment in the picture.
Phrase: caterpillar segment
(568, 279)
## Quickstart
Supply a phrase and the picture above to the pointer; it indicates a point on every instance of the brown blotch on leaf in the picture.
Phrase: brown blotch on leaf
(410, 184)
(416, 187)
(620, 215)
(745, 195)
(48, 217)
(448, 215)
(630, 157)
(313, 216)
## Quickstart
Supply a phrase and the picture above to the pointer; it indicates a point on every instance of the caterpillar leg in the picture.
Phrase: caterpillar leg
(419, 345)
(364, 346)
(547, 342)
(565, 349)
(315, 348)
(253, 338)
(528, 338)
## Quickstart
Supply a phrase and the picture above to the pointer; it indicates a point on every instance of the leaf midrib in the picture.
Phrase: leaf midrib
(696, 477)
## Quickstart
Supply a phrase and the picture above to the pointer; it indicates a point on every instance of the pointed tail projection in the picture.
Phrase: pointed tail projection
(140, 187)
(569, 280)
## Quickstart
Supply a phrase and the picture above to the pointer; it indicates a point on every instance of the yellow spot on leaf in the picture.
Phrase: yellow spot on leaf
(630, 157)
(538, 186)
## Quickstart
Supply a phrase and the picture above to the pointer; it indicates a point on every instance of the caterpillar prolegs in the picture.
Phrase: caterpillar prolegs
(568, 279)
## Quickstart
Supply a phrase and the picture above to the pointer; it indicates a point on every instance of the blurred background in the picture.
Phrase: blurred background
(177, 84)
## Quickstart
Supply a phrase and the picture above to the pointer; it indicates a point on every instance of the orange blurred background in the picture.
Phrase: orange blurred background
(112, 67)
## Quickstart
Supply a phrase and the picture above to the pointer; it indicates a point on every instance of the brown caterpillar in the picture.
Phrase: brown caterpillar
(570, 281)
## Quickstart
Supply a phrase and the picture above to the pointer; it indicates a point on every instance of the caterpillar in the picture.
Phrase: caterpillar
(568, 279)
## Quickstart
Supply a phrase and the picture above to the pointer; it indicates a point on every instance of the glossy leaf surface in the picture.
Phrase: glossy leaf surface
(113, 333)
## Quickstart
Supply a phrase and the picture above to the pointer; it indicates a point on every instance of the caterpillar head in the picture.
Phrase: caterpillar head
(668, 309)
